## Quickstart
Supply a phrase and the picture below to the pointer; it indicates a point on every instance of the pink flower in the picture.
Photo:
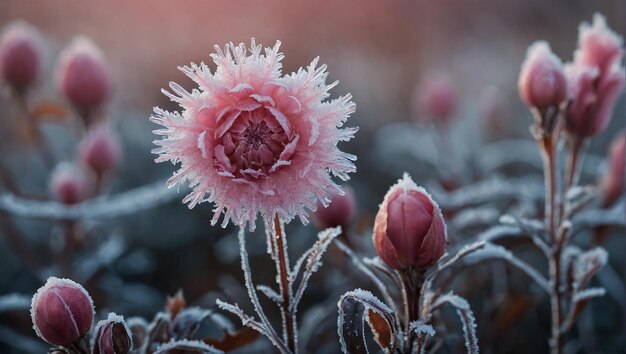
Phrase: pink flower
(62, 311)
(254, 141)
(82, 75)
(595, 79)
(100, 149)
(541, 80)
(69, 184)
(612, 185)
(340, 212)
(409, 230)
(435, 100)
(20, 55)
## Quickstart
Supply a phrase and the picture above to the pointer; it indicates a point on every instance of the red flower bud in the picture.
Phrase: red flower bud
(82, 75)
(20, 52)
(435, 100)
(339, 212)
(62, 311)
(612, 185)
(100, 149)
(409, 229)
(69, 184)
(541, 81)
(595, 79)
(112, 336)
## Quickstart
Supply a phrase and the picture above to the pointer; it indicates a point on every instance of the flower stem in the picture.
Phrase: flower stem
(285, 287)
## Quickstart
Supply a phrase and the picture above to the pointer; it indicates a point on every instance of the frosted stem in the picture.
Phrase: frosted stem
(287, 313)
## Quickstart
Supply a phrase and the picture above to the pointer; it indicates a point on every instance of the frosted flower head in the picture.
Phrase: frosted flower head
(409, 230)
(254, 141)
(62, 311)
(339, 212)
(595, 79)
(112, 336)
(69, 184)
(435, 100)
(82, 75)
(20, 55)
(541, 80)
(100, 149)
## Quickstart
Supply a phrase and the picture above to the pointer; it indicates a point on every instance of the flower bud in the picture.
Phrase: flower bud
(62, 311)
(595, 79)
(612, 185)
(409, 229)
(436, 100)
(339, 212)
(20, 55)
(100, 149)
(112, 336)
(82, 75)
(541, 81)
(69, 184)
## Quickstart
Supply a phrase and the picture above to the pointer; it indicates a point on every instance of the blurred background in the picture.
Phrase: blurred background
(380, 51)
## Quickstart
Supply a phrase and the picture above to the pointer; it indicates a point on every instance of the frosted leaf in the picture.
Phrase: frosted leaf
(463, 252)
(106, 253)
(489, 190)
(497, 232)
(13, 302)
(493, 252)
(587, 265)
(188, 321)
(588, 294)
(103, 207)
(465, 315)
(475, 217)
(368, 272)
(314, 261)
(420, 327)
(592, 218)
(270, 293)
(353, 307)
(194, 346)
(246, 320)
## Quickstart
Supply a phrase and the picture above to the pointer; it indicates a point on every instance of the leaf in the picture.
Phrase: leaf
(49, 110)
(380, 329)
(186, 346)
(352, 306)
(188, 321)
(465, 315)
(175, 304)
(235, 340)
(13, 302)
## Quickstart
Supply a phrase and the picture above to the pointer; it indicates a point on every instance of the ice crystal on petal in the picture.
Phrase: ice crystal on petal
(253, 141)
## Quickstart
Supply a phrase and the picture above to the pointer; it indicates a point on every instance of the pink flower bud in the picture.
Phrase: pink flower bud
(409, 229)
(595, 79)
(82, 75)
(435, 100)
(339, 212)
(69, 184)
(612, 185)
(541, 81)
(112, 336)
(100, 149)
(20, 55)
(62, 311)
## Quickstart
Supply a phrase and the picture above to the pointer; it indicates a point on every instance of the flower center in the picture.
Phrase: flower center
(252, 143)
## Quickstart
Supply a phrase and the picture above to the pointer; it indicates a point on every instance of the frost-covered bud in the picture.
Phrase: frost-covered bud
(82, 75)
(612, 185)
(595, 79)
(339, 212)
(435, 100)
(112, 336)
(20, 55)
(69, 183)
(409, 229)
(541, 80)
(62, 311)
(100, 149)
